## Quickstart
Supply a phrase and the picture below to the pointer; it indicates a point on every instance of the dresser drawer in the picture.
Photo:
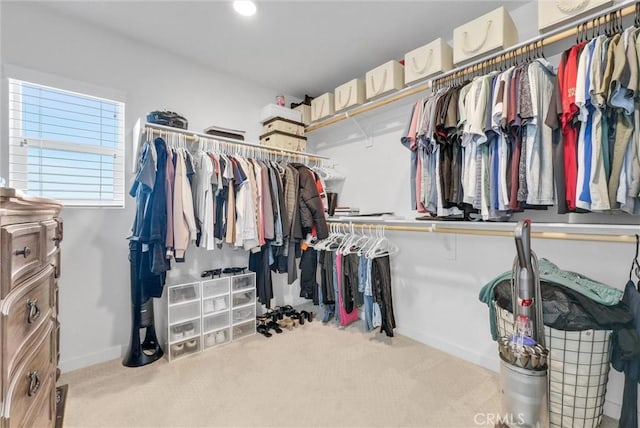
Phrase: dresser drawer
(23, 312)
(50, 236)
(23, 253)
(43, 412)
(27, 386)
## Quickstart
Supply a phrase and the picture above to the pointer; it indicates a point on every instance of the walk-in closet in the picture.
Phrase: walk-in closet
(320, 214)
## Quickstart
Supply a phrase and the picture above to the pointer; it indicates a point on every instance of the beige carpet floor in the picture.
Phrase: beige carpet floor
(312, 376)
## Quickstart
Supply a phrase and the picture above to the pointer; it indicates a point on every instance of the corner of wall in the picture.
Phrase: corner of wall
(92, 358)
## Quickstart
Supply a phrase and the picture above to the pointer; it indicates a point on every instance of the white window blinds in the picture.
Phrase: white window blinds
(65, 145)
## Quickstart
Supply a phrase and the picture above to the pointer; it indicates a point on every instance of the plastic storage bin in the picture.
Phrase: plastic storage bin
(215, 322)
(217, 338)
(241, 315)
(184, 293)
(243, 330)
(241, 298)
(213, 305)
(182, 331)
(242, 282)
(183, 313)
(184, 348)
(215, 287)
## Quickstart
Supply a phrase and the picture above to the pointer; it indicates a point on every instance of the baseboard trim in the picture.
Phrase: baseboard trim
(92, 358)
(611, 408)
(490, 363)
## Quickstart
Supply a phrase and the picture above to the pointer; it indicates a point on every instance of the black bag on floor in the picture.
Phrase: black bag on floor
(168, 118)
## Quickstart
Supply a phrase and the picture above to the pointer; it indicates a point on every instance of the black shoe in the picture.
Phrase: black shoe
(274, 326)
(264, 330)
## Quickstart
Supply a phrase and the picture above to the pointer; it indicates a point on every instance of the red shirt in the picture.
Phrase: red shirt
(567, 76)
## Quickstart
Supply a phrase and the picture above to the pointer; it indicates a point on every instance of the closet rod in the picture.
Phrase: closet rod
(501, 233)
(191, 135)
(561, 33)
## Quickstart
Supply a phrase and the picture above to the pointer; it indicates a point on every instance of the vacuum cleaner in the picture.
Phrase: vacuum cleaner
(523, 355)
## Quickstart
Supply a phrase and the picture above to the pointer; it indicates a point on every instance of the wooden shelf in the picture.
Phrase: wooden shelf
(562, 33)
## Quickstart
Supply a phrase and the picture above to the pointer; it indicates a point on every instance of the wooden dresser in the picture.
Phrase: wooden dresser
(30, 232)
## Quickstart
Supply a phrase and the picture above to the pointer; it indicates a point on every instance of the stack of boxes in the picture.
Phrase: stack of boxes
(283, 129)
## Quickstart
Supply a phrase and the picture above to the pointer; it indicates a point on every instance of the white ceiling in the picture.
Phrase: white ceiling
(294, 47)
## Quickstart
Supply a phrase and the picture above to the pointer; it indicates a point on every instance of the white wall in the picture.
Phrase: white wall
(437, 277)
(94, 286)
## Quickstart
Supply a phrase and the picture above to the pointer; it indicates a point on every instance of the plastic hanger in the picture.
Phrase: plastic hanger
(378, 248)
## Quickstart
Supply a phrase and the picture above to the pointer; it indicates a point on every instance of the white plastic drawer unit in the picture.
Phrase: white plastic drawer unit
(384, 79)
(184, 348)
(484, 34)
(427, 60)
(242, 298)
(322, 106)
(243, 330)
(184, 312)
(350, 94)
(216, 338)
(215, 287)
(241, 282)
(240, 315)
(212, 323)
(183, 331)
(214, 305)
(553, 12)
(181, 294)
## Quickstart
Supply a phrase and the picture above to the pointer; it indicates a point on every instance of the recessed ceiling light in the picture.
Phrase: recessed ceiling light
(245, 7)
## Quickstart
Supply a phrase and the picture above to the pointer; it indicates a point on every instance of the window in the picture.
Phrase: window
(65, 145)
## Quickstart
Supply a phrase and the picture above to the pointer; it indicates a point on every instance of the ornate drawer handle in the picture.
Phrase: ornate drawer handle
(33, 311)
(34, 383)
(467, 50)
(26, 251)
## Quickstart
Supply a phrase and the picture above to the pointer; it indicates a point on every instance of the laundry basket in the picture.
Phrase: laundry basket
(578, 372)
